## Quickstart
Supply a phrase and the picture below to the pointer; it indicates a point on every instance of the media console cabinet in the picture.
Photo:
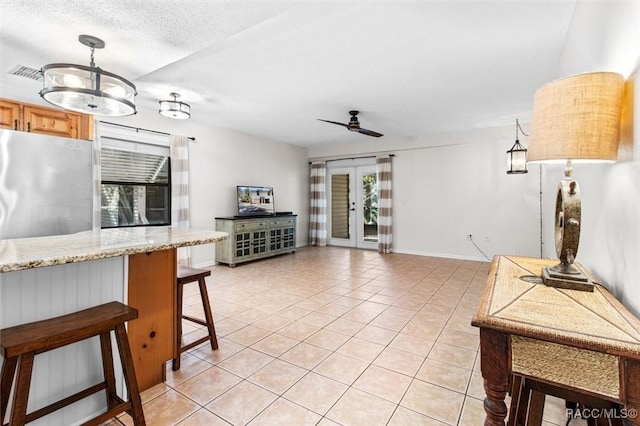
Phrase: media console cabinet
(255, 238)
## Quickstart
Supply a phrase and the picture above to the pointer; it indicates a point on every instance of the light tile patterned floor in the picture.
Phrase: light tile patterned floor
(333, 336)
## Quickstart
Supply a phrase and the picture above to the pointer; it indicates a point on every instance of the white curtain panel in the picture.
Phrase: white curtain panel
(385, 239)
(97, 178)
(318, 205)
(179, 152)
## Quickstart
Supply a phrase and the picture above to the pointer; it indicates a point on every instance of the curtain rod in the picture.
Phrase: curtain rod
(138, 129)
(351, 158)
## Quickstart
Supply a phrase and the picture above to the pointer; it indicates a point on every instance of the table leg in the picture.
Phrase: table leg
(494, 363)
(631, 370)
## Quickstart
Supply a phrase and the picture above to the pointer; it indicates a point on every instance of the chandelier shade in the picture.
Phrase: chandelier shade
(88, 89)
(174, 108)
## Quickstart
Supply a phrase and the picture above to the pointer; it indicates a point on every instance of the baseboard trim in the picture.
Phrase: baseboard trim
(442, 255)
(210, 263)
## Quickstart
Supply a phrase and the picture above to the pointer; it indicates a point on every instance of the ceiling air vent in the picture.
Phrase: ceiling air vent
(26, 72)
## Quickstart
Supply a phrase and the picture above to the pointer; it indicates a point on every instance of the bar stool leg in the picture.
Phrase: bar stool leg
(204, 295)
(107, 368)
(19, 412)
(130, 376)
(175, 365)
(8, 373)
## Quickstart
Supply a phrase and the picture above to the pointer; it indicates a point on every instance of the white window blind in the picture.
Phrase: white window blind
(134, 167)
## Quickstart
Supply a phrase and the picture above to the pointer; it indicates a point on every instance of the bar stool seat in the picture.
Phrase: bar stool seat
(528, 396)
(188, 275)
(21, 343)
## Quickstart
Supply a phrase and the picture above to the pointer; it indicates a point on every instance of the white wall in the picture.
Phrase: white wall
(220, 159)
(443, 194)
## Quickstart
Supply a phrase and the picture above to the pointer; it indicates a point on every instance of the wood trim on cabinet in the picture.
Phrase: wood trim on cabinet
(50, 121)
(10, 115)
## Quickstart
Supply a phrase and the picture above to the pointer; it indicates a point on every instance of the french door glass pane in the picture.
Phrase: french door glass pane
(340, 206)
(370, 206)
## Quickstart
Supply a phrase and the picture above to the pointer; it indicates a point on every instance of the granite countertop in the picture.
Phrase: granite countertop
(26, 253)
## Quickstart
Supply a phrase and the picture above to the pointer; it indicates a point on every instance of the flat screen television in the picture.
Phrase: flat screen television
(255, 201)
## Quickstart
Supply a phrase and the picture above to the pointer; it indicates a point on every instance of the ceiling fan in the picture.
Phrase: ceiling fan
(354, 125)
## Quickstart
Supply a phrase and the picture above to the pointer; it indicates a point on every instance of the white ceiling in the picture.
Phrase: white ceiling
(271, 68)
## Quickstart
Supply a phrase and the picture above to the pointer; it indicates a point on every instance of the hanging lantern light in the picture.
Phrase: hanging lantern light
(517, 155)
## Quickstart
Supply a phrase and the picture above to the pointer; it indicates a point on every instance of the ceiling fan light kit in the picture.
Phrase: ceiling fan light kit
(354, 125)
(174, 108)
(88, 89)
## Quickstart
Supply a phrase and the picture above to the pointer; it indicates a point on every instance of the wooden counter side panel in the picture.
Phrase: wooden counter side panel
(152, 292)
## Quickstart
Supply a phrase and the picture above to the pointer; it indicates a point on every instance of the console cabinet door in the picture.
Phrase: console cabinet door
(282, 235)
(152, 291)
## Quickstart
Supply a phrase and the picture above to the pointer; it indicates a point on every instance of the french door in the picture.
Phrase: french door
(352, 195)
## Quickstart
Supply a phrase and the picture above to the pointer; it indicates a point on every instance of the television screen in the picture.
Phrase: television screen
(255, 201)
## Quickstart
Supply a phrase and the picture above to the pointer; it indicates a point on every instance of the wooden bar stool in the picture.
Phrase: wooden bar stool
(528, 396)
(189, 275)
(21, 343)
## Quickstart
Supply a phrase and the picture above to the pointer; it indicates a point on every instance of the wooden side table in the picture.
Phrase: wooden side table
(585, 342)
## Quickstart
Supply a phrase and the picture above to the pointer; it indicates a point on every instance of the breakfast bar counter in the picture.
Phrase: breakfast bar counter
(26, 253)
(45, 277)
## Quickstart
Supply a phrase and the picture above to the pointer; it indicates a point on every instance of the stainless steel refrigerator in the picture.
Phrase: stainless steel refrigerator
(45, 185)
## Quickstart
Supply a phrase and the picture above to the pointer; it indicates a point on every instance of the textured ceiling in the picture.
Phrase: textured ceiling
(272, 68)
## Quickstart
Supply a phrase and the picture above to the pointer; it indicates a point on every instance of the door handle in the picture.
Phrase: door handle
(353, 209)
(15, 124)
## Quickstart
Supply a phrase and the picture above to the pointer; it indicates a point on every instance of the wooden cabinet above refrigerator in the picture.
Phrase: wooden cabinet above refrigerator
(49, 121)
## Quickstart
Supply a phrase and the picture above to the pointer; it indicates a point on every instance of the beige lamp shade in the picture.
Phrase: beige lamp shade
(577, 118)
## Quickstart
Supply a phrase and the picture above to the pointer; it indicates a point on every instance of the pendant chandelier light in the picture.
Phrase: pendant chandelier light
(174, 108)
(517, 155)
(88, 89)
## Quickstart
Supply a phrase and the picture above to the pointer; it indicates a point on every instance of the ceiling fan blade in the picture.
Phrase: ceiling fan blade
(370, 133)
(334, 122)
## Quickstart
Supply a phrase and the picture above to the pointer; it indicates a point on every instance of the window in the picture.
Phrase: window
(136, 187)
